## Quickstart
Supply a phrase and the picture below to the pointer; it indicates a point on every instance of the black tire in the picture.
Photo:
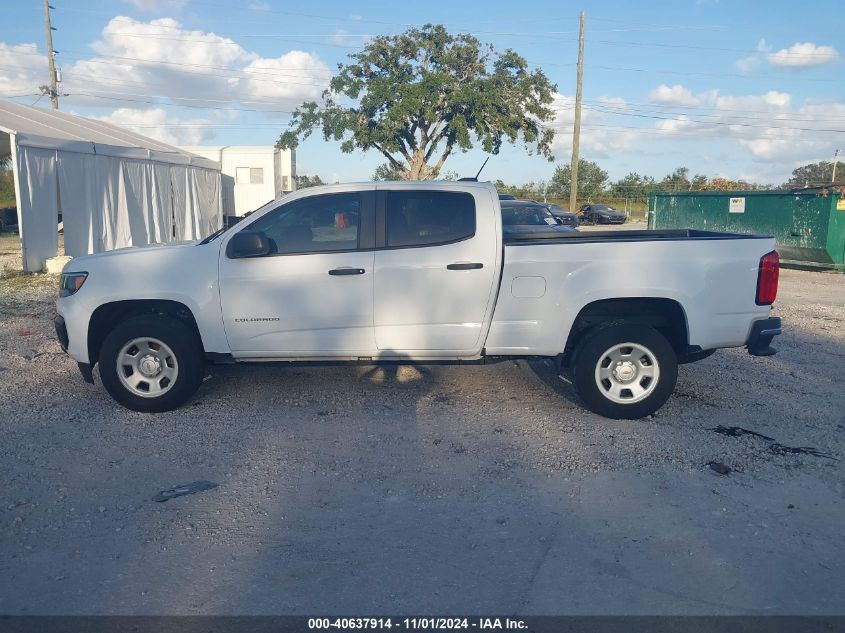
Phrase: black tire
(592, 350)
(188, 356)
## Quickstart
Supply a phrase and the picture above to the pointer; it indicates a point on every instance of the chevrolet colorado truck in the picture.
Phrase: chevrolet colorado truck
(416, 273)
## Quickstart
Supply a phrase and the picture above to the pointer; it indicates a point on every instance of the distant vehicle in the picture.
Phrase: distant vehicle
(507, 196)
(602, 214)
(8, 220)
(527, 216)
(564, 215)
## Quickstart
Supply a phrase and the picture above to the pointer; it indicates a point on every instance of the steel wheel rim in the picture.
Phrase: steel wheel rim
(147, 367)
(627, 373)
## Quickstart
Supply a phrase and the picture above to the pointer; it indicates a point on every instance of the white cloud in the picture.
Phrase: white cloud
(596, 141)
(766, 126)
(803, 55)
(340, 36)
(747, 64)
(305, 78)
(22, 69)
(676, 95)
(148, 62)
(259, 5)
(752, 62)
(159, 124)
(769, 102)
(157, 6)
(164, 39)
(617, 103)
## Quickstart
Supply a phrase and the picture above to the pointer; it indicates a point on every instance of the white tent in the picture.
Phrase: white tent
(114, 188)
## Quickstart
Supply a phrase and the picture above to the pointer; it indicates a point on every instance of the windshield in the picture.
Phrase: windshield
(528, 215)
(225, 228)
(556, 209)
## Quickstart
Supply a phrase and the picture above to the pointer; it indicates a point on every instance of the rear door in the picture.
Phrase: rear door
(436, 266)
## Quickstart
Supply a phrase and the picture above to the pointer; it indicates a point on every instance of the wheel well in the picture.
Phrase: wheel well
(108, 315)
(665, 315)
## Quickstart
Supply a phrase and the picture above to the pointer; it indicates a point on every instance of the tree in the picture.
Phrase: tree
(419, 96)
(678, 180)
(633, 186)
(591, 180)
(816, 174)
(387, 172)
(308, 181)
(7, 182)
(699, 183)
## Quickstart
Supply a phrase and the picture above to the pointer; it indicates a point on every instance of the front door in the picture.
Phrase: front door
(435, 269)
(313, 294)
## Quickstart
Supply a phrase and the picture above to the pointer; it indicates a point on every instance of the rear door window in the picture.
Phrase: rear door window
(428, 218)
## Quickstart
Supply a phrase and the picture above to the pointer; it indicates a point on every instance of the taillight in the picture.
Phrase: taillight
(767, 279)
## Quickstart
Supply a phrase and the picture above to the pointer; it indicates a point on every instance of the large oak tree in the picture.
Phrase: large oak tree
(417, 97)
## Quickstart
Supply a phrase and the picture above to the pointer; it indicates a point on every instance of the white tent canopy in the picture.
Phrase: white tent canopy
(114, 188)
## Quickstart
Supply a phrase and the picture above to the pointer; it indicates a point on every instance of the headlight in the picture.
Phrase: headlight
(69, 283)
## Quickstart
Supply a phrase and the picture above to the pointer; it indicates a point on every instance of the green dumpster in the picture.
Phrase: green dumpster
(808, 224)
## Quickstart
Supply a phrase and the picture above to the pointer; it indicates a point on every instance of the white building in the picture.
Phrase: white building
(252, 175)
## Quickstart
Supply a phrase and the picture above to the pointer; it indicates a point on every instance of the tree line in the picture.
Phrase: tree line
(594, 182)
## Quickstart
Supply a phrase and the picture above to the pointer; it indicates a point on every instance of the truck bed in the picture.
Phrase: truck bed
(639, 235)
(711, 276)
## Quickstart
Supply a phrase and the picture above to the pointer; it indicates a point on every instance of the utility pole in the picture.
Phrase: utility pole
(835, 157)
(52, 89)
(576, 130)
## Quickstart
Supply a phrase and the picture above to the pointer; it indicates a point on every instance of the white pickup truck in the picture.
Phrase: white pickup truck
(417, 273)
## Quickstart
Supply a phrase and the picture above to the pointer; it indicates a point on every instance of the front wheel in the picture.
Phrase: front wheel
(151, 363)
(625, 370)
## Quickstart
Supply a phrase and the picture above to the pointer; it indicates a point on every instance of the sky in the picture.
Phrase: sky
(739, 89)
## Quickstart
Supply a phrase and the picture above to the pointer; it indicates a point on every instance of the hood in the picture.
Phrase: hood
(83, 261)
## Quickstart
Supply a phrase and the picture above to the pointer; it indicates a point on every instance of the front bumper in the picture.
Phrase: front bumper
(61, 332)
(762, 333)
(64, 341)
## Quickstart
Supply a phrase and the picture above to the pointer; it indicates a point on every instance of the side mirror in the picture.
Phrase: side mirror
(248, 244)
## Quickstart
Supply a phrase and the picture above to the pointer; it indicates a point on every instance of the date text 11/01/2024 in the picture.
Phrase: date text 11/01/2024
(417, 623)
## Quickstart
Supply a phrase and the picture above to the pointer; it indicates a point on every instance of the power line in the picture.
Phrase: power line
(773, 116)
(730, 124)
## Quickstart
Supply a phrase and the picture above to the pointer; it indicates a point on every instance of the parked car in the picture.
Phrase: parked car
(565, 216)
(602, 214)
(8, 219)
(415, 273)
(507, 196)
(527, 216)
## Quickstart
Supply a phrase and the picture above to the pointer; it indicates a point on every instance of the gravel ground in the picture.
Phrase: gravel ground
(425, 490)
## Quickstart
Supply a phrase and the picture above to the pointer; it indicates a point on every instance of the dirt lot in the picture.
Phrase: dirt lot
(432, 490)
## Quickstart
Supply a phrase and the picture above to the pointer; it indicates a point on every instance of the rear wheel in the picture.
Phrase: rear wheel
(625, 370)
(151, 363)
